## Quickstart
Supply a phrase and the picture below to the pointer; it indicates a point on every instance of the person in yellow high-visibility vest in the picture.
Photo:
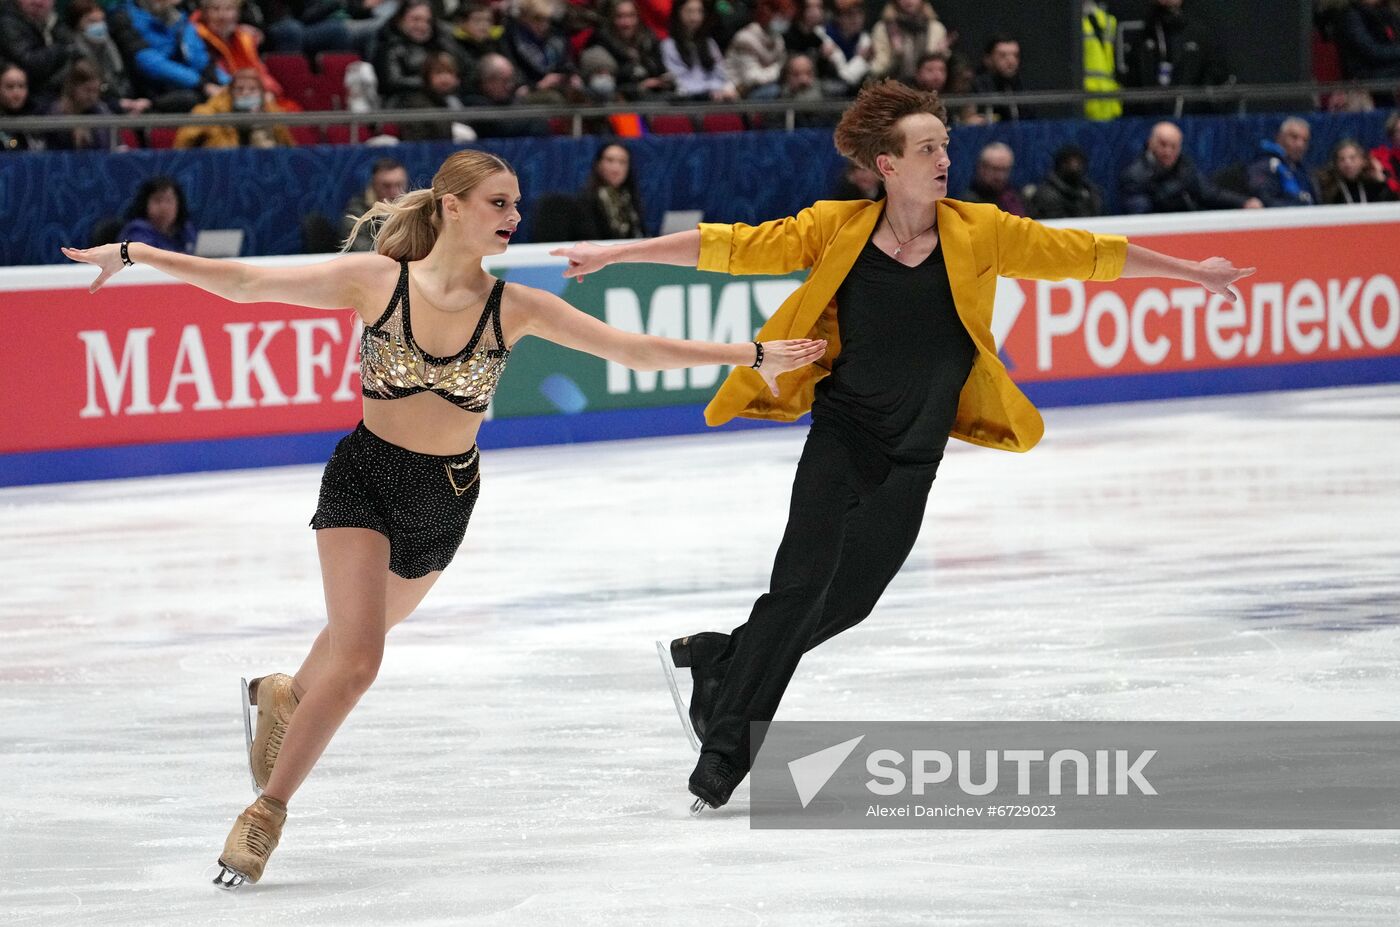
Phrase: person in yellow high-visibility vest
(1100, 68)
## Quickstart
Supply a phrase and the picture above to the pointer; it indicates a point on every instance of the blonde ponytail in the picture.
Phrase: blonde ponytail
(406, 228)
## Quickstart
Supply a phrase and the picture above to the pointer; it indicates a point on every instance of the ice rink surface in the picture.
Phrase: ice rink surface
(519, 762)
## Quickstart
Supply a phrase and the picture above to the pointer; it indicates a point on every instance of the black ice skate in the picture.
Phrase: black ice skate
(700, 654)
(713, 781)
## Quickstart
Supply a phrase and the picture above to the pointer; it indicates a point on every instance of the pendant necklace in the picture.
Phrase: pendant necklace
(899, 245)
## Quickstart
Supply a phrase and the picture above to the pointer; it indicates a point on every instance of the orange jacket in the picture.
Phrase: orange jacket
(239, 52)
(980, 242)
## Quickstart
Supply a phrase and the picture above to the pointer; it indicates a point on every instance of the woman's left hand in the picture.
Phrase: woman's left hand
(782, 356)
(1217, 274)
(108, 259)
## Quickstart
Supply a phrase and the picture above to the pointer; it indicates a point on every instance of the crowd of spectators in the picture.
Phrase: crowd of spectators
(179, 55)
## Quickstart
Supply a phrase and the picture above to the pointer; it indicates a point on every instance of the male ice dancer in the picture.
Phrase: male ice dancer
(902, 289)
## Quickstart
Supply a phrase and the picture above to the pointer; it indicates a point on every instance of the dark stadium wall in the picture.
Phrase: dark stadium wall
(1265, 41)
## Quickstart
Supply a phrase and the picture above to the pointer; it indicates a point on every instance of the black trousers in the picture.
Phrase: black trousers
(852, 521)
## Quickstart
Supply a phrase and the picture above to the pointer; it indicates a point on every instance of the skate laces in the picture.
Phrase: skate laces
(256, 832)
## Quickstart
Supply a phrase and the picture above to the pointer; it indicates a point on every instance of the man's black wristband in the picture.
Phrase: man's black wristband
(758, 358)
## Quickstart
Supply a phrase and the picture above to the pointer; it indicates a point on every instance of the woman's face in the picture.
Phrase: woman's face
(813, 13)
(417, 23)
(479, 25)
(486, 215)
(911, 7)
(614, 165)
(221, 16)
(1350, 162)
(162, 208)
(86, 95)
(443, 81)
(14, 88)
(624, 20)
(692, 16)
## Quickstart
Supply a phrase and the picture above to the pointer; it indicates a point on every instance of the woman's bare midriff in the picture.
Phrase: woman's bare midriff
(423, 422)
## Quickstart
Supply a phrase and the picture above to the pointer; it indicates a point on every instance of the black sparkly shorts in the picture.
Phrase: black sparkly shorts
(420, 502)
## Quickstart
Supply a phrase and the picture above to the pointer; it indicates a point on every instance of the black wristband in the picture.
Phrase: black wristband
(758, 358)
(126, 258)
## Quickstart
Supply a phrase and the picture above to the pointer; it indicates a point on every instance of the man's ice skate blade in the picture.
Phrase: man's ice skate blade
(248, 735)
(698, 806)
(667, 667)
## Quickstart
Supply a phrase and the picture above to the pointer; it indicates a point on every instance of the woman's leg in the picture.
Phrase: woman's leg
(401, 598)
(354, 567)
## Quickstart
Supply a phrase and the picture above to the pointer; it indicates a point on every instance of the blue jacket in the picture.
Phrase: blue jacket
(174, 56)
(143, 231)
(1278, 181)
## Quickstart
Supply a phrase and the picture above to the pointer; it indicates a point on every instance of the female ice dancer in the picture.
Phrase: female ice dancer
(902, 289)
(398, 491)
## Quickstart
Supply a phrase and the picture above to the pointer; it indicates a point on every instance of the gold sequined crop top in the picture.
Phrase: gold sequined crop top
(392, 365)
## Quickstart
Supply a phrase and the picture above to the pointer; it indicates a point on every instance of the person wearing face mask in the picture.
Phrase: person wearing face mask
(108, 44)
(1353, 177)
(907, 30)
(756, 55)
(1067, 192)
(233, 46)
(244, 94)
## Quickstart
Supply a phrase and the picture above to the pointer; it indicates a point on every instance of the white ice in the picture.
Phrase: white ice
(519, 762)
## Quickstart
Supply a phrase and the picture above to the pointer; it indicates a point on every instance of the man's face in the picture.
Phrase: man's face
(994, 169)
(390, 184)
(1293, 138)
(921, 172)
(14, 88)
(1165, 145)
(37, 10)
(221, 16)
(932, 75)
(1005, 59)
(801, 74)
(498, 81)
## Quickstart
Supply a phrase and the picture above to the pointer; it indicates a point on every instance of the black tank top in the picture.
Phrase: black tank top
(905, 356)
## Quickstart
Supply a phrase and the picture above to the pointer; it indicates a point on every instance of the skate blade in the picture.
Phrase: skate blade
(669, 669)
(248, 736)
(228, 879)
(698, 806)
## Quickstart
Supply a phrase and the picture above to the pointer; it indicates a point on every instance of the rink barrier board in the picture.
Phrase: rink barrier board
(286, 450)
(266, 385)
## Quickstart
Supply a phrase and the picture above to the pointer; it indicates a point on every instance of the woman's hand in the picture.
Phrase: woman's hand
(108, 258)
(782, 356)
(1217, 274)
(584, 258)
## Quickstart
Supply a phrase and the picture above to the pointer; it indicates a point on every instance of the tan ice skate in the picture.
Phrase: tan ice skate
(276, 701)
(254, 836)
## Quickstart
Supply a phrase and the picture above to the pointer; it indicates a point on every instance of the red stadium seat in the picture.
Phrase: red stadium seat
(129, 138)
(161, 138)
(305, 135)
(294, 74)
(340, 135)
(722, 122)
(671, 125)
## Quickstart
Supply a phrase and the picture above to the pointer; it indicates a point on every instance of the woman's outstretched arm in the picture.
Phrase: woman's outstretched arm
(337, 284)
(553, 319)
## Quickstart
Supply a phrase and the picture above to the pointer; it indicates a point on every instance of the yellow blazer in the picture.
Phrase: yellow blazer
(979, 243)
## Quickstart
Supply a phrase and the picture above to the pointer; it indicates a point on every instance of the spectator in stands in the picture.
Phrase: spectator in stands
(906, 31)
(799, 84)
(1067, 192)
(541, 52)
(1001, 74)
(1368, 39)
(35, 39)
(611, 206)
(636, 50)
(756, 54)
(174, 68)
(14, 101)
(858, 183)
(692, 55)
(1165, 179)
(1353, 176)
(931, 75)
(309, 27)
(442, 86)
(403, 47)
(991, 181)
(808, 36)
(498, 87)
(848, 33)
(81, 96)
(108, 45)
(1278, 177)
(245, 93)
(388, 180)
(1173, 51)
(1389, 155)
(474, 28)
(158, 217)
(232, 46)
